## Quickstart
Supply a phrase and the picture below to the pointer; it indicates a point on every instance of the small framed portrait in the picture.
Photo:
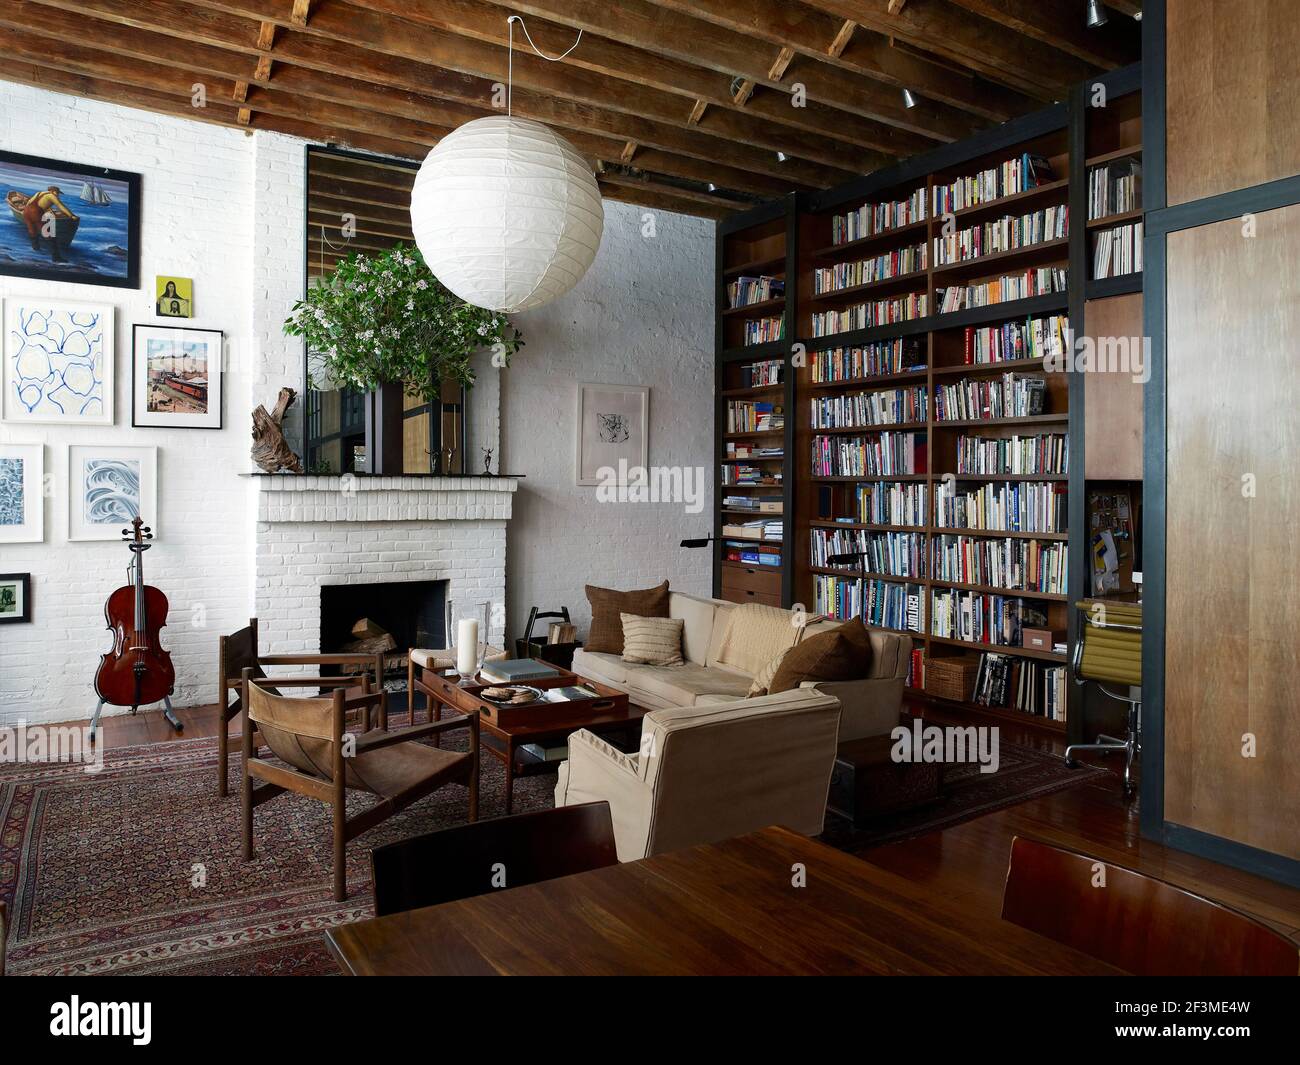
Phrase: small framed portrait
(15, 597)
(174, 297)
(22, 496)
(108, 487)
(612, 432)
(176, 377)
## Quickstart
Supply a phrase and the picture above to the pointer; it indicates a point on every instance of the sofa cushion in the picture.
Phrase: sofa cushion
(606, 632)
(841, 654)
(697, 616)
(600, 666)
(653, 641)
(683, 685)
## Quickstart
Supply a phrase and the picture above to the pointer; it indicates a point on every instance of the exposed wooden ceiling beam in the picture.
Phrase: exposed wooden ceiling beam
(692, 41)
(301, 12)
(815, 35)
(1060, 23)
(477, 47)
(939, 27)
(633, 181)
(129, 34)
(662, 201)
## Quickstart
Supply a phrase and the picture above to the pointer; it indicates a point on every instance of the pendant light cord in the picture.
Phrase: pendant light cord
(510, 61)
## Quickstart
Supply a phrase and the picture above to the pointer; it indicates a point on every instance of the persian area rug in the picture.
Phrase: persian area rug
(138, 868)
(1024, 773)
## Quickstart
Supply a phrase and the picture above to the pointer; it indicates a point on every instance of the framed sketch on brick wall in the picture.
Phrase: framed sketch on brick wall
(108, 487)
(57, 361)
(612, 432)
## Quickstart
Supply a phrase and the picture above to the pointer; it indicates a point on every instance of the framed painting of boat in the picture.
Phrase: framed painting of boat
(69, 222)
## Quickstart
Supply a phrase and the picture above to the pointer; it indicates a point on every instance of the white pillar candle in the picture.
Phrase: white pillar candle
(467, 647)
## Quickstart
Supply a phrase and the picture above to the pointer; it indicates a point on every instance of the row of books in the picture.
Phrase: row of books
(981, 617)
(1041, 453)
(881, 455)
(759, 504)
(1016, 565)
(763, 372)
(876, 312)
(747, 450)
(882, 267)
(900, 355)
(745, 416)
(852, 410)
(893, 554)
(764, 330)
(1114, 188)
(1018, 174)
(891, 503)
(740, 473)
(751, 554)
(885, 604)
(1033, 338)
(769, 528)
(873, 218)
(1016, 683)
(1003, 234)
(1013, 506)
(1117, 251)
(745, 291)
(1010, 396)
(1036, 282)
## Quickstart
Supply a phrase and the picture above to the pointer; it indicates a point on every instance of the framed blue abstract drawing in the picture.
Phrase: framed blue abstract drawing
(108, 487)
(58, 361)
(22, 496)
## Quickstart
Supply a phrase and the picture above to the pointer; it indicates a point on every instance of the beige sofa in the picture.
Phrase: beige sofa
(870, 707)
(710, 772)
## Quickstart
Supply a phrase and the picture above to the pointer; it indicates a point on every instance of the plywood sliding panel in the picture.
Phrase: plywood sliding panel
(1232, 116)
(1112, 402)
(1233, 523)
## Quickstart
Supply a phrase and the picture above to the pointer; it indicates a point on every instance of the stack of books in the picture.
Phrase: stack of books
(744, 474)
(1114, 188)
(744, 416)
(1117, 251)
(745, 291)
(758, 374)
(1017, 684)
(764, 330)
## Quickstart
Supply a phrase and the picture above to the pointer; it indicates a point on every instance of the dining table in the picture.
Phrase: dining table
(772, 902)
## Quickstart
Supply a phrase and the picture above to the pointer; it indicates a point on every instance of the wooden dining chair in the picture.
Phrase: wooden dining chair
(239, 651)
(1143, 925)
(506, 852)
(322, 761)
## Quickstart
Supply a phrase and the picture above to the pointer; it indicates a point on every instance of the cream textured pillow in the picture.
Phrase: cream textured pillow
(652, 641)
(763, 678)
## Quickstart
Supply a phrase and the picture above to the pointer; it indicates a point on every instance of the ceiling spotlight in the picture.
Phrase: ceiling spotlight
(1137, 15)
(713, 187)
(780, 157)
(1096, 14)
(908, 99)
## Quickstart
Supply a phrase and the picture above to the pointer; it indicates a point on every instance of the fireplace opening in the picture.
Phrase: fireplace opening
(385, 617)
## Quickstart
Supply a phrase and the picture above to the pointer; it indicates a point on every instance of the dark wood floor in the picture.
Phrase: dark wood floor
(970, 861)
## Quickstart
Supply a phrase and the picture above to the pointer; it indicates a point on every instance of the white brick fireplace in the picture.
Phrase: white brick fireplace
(314, 531)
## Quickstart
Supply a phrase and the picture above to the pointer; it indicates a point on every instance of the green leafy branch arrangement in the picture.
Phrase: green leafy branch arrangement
(384, 318)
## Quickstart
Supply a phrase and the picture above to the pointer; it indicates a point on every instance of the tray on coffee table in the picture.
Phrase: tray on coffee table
(542, 713)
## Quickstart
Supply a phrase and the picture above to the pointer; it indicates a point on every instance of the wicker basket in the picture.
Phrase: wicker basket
(951, 678)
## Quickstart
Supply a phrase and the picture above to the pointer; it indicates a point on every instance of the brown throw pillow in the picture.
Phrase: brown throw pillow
(841, 654)
(606, 633)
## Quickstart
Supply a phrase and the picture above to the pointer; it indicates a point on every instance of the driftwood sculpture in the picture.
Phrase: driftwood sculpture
(270, 451)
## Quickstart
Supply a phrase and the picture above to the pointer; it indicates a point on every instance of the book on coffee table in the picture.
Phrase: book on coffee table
(517, 671)
(564, 695)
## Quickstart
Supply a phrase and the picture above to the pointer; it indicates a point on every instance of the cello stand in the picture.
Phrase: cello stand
(168, 713)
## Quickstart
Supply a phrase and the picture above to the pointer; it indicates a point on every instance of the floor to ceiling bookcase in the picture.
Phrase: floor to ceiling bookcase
(886, 379)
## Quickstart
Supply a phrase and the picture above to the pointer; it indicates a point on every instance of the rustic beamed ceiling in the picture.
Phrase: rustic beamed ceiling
(680, 105)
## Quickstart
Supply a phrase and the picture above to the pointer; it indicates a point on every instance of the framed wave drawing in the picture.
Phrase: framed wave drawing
(22, 493)
(108, 487)
(57, 362)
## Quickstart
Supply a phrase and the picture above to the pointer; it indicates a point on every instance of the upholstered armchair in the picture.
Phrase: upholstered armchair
(706, 773)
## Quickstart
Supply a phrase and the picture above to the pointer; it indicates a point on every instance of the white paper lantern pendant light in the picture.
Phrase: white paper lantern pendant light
(505, 211)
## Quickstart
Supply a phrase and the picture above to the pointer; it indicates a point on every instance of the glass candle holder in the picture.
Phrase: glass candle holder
(467, 636)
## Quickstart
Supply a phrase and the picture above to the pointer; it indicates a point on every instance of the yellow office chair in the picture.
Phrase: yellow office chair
(1109, 648)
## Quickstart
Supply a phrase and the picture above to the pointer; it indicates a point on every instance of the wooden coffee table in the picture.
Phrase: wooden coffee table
(505, 730)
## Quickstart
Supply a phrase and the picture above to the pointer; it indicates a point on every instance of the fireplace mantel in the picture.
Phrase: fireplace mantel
(332, 498)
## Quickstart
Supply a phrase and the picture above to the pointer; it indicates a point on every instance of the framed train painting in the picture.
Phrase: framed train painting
(176, 377)
(69, 222)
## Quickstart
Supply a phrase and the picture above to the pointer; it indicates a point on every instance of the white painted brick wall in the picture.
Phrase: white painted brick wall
(204, 213)
(643, 314)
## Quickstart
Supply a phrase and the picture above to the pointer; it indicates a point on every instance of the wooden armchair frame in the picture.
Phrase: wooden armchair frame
(239, 650)
(308, 735)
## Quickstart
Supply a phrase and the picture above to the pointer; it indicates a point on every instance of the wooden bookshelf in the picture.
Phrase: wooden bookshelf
(929, 351)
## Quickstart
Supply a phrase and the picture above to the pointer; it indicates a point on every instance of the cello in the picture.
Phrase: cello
(137, 671)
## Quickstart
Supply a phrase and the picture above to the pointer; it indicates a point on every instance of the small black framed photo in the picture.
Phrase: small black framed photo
(15, 597)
